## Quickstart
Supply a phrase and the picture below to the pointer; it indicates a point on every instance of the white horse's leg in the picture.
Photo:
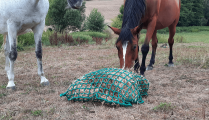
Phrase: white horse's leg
(11, 52)
(6, 53)
(38, 31)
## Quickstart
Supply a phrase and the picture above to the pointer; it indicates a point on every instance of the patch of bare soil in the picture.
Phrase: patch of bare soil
(184, 88)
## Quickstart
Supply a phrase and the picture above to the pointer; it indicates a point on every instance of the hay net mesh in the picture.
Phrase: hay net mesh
(111, 85)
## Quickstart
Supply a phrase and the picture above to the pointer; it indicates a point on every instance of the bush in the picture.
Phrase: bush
(26, 39)
(92, 34)
(45, 37)
(1, 39)
(61, 18)
(117, 23)
(20, 47)
(95, 21)
(58, 39)
(82, 38)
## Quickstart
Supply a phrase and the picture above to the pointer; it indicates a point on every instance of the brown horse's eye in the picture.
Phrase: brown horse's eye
(134, 47)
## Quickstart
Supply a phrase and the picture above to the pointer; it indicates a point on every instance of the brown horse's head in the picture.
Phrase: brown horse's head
(127, 45)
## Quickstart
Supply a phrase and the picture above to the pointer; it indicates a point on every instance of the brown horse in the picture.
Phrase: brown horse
(147, 14)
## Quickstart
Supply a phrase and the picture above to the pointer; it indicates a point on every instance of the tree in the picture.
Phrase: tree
(198, 10)
(186, 13)
(206, 11)
(61, 18)
(95, 21)
(117, 22)
(191, 13)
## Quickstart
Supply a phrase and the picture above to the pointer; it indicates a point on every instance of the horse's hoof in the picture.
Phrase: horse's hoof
(170, 65)
(45, 83)
(13, 88)
(149, 68)
(142, 75)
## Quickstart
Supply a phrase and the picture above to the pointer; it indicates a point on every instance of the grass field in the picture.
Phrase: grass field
(177, 93)
(188, 37)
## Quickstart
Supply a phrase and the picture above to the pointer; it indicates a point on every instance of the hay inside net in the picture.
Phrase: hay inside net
(111, 85)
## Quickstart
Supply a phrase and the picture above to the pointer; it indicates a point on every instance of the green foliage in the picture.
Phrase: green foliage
(45, 37)
(192, 13)
(82, 37)
(206, 12)
(162, 38)
(92, 34)
(3, 87)
(37, 113)
(182, 37)
(1, 39)
(2, 95)
(182, 29)
(20, 47)
(163, 107)
(89, 35)
(179, 39)
(120, 16)
(95, 21)
(26, 39)
(117, 22)
(61, 18)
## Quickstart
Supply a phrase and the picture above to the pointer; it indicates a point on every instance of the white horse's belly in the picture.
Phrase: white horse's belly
(23, 13)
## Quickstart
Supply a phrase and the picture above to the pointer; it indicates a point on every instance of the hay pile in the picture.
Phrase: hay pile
(111, 85)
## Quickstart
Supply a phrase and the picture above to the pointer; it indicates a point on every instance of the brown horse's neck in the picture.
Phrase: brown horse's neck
(133, 12)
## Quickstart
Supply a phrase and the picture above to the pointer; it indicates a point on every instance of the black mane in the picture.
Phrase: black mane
(133, 12)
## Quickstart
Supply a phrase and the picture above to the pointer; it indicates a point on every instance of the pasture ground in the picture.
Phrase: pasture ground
(181, 92)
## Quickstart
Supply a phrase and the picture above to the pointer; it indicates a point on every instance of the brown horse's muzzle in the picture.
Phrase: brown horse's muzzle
(131, 55)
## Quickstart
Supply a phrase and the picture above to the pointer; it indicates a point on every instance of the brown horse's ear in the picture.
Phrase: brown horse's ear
(115, 30)
(137, 29)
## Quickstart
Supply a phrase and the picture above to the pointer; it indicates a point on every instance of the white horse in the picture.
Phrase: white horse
(16, 16)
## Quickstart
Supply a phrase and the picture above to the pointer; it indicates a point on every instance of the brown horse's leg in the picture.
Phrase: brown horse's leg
(145, 46)
(137, 65)
(154, 47)
(172, 31)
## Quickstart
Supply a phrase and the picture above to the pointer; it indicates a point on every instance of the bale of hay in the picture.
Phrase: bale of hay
(111, 85)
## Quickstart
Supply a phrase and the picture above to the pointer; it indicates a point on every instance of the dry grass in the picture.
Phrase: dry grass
(185, 87)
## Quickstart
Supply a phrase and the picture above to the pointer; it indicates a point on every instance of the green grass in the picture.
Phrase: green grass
(2, 95)
(182, 29)
(201, 36)
(92, 34)
(163, 107)
(187, 37)
(37, 113)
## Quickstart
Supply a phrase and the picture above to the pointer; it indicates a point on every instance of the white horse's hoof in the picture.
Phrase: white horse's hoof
(45, 83)
(11, 85)
(11, 88)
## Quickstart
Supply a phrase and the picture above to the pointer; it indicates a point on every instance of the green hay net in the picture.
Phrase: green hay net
(111, 85)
